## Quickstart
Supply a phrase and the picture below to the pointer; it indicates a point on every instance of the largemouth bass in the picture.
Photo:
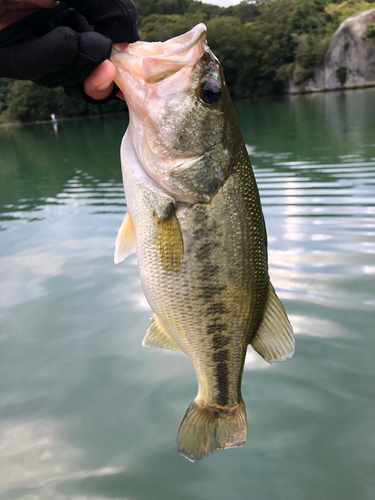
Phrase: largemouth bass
(195, 219)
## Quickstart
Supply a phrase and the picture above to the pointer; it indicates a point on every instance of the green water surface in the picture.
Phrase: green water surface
(87, 413)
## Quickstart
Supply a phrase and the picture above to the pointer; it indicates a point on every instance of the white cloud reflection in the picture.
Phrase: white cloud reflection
(35, 455)
(317, 327)
(23, 275)
(254, 362)
(32, 453)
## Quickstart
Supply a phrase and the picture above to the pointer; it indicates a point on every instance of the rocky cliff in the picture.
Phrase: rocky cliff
(350, 58)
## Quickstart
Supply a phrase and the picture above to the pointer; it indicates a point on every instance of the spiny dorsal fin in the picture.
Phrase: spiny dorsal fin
(168, 240)
(274, 340)
(157, 336)
(126, 242)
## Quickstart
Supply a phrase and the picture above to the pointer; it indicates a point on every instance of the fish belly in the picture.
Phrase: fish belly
(212, 305)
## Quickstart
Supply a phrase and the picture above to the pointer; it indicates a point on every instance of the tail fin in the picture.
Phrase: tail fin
(205, 429)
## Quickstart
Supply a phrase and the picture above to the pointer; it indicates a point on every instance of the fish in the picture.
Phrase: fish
(195, 219)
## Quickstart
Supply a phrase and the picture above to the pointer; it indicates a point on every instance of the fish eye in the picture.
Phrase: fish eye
(210, 92)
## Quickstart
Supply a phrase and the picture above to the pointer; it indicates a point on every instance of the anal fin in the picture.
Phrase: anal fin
(157, 336)
(126, 242)
(274, 340)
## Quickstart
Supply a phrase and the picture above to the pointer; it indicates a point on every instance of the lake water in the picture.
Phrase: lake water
(87, 413)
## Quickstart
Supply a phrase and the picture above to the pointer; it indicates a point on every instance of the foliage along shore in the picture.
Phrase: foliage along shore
(260, 44)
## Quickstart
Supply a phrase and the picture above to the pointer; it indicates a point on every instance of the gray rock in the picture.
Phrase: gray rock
(350, 58)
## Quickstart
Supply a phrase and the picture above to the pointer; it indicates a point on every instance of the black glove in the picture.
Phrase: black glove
(60, 47)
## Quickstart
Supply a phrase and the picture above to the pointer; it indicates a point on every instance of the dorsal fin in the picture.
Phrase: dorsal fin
(126, 242)
(274, 340)
(157, 336)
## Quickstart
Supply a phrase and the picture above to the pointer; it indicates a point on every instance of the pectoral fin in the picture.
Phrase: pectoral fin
(168, 240)
(126, 242)
(157, 336)
(274, 340)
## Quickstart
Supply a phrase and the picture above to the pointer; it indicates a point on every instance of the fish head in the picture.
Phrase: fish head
(177, 99)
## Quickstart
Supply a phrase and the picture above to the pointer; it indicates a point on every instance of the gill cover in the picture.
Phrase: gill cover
(176, 93)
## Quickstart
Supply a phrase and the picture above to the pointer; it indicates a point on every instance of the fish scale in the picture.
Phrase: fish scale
(195, 219)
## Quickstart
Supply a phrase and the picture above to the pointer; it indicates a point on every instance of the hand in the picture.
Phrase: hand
(66, 46)
(99, 84)
(108, 18)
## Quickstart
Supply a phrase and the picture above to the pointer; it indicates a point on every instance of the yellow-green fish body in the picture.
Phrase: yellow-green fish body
(195, 219)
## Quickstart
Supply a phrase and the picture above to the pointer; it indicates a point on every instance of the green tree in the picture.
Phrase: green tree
(261, 44)
(338, 12)
(246, 11)
(269, 52)
(162, 27)
(4, 94)
(29, 102)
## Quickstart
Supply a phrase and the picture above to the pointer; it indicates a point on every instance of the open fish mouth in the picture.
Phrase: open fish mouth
(156, 61)
(170, 48)
(173, 47)
(161, 83)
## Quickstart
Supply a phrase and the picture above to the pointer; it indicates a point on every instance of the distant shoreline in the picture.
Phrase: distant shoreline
(320, 91)
(63, 119)
(292, 94)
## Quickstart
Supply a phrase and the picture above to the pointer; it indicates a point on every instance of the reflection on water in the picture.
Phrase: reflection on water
(86, 412)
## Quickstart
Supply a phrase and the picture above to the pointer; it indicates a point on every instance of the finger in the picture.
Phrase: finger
(121, 47)
(59, 58)
(100, 83)
(92, 49)
(31, 60)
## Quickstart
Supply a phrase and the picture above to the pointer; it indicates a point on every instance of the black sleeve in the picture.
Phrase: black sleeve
(60, 47)
(115, 19)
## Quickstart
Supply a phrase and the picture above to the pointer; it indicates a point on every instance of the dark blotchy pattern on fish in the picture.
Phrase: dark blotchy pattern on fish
(212, 296)
(204, 268)
(221, 359)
